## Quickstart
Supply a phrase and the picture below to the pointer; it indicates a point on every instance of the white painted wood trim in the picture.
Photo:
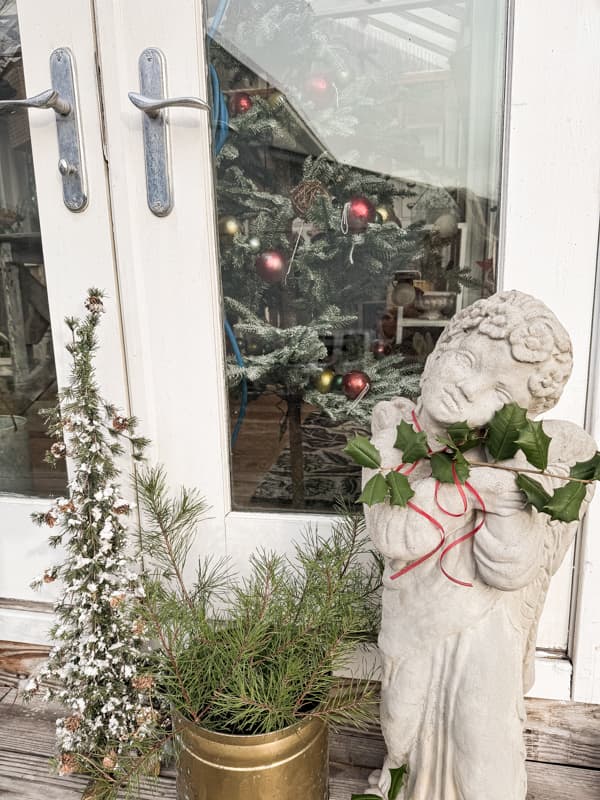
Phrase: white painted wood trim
(586, 625)
(168, 267)
(549, 245)
(77, 250)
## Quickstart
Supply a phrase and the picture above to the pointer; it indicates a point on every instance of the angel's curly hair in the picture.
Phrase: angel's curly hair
(534, 334)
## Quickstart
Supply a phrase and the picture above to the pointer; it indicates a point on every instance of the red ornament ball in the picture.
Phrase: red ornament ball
(355, 382)
(360, 213)
(320, 90)
(271, 266)
(240, 103)
(379, 348)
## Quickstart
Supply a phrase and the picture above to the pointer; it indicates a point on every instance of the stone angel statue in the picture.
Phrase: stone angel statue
(458, 643)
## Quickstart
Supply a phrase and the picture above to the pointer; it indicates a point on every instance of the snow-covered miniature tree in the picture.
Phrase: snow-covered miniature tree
(96, 668)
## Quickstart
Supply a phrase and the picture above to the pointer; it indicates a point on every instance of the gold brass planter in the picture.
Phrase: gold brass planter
(285, 765)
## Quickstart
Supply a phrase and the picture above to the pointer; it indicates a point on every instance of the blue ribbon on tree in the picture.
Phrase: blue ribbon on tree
(220, 132)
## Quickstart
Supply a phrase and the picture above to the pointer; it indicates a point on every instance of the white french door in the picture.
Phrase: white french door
(530, 131)
(49, 256)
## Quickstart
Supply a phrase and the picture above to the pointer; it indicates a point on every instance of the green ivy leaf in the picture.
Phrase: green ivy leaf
(399, 488)
(412, 443)
(463, 437)
(504, 430)
(534, 443)
(587, 470)
(533, 491)
(398, 775)
(397, 782)
(363, 452)
(375, 491)
(441, 467)
(565, 503)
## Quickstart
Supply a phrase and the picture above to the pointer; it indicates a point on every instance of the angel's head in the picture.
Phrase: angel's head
(509, 348)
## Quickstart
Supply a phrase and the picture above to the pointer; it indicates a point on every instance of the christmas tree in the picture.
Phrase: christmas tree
(307, 236)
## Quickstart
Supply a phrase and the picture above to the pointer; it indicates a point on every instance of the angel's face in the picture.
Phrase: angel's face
(472, 379)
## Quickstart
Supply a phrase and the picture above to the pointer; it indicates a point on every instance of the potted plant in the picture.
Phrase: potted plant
(247, 665)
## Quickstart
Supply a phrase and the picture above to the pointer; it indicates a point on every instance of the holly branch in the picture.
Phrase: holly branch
(509, 432)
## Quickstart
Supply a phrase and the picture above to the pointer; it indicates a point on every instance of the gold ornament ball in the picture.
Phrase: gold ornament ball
(229, 226)
(446, 226)
(384, 213)
(324, 381)
(275, 100)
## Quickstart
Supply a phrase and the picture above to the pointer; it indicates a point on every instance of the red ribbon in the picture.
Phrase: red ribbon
(465, 537)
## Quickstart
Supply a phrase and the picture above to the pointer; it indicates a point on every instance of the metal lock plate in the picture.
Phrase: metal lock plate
(68, 128)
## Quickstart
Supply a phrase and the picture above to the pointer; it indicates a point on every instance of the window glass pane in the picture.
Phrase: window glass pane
(27, 374)
(357, 163)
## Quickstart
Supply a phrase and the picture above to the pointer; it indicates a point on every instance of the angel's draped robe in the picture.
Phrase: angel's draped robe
(457, 661)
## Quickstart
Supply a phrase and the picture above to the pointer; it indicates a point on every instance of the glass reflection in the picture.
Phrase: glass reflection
(357, 152)
(27, 373)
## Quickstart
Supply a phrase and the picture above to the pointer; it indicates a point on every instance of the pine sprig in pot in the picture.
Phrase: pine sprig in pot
(256, 654)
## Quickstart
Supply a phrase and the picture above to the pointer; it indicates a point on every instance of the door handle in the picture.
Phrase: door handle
(48, 99)
(62, 99)
(151, 101)
(152, 107)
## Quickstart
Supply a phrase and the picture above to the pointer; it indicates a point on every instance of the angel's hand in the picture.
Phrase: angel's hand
(499, 491)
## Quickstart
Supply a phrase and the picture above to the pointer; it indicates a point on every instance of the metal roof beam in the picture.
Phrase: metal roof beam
(427, 23)
(409, 37)
(373, 7)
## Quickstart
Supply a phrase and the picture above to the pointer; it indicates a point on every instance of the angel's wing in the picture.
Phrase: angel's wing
(569, 444)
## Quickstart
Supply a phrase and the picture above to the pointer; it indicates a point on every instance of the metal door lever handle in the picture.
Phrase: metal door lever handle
(48, 99)
(153, 105)
(151, 100)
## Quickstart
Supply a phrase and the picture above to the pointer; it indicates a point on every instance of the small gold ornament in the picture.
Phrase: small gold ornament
(229, 226)
(276, 99)
(384, 213)
(324, 381)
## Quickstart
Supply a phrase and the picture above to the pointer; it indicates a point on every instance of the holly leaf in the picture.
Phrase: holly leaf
(375, 491)
(399, 488)
(441, 467)
(565, 503)
(398, 775)
(363, 452)
(534, 443)
(533, 491)
(463, 437)
(504, 429)
(412, 443)
(587, 470)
